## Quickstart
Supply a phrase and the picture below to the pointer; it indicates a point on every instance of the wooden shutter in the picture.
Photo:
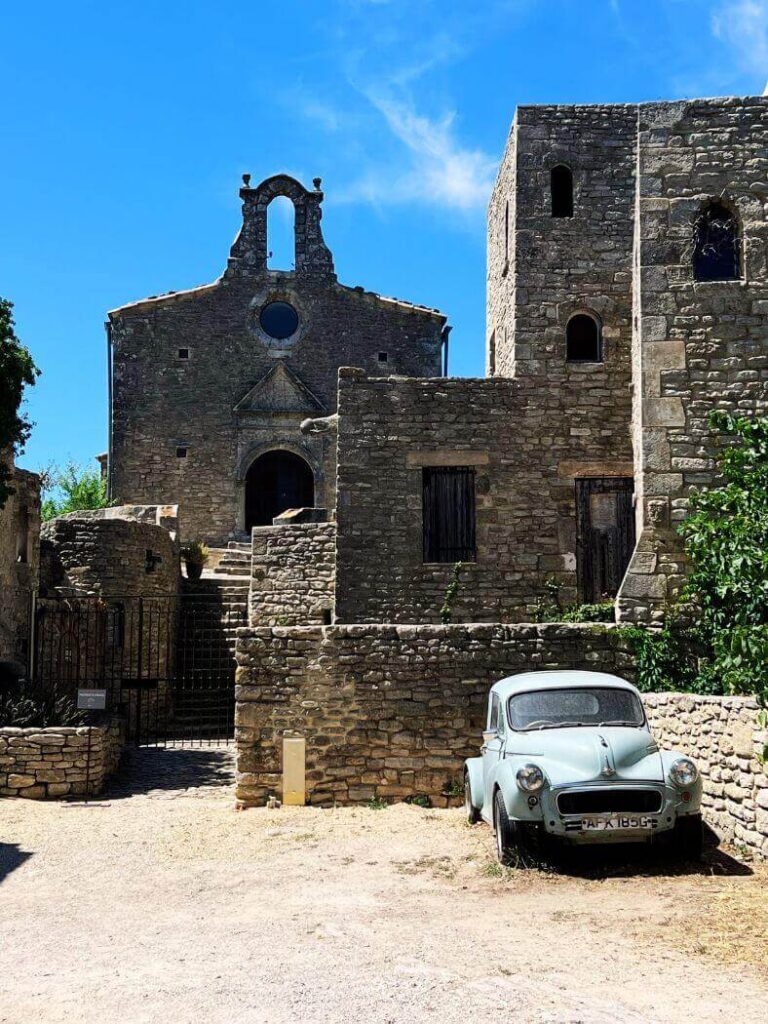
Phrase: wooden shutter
(448, 497)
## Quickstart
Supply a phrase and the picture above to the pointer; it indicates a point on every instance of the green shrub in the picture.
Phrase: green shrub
(72, 489)
(17, 372)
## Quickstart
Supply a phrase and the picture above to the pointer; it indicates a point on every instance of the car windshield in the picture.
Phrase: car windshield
(560, 709)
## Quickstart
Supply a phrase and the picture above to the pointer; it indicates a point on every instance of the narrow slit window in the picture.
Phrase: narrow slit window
(448, 503)
(183, 353)
(492, 354)
(583, 339)
(181, 452)
(561, 185)
(716, 244)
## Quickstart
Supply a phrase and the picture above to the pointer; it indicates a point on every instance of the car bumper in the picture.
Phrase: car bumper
(615, 826)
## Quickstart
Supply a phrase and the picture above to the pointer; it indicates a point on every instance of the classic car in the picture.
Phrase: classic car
(569, 756)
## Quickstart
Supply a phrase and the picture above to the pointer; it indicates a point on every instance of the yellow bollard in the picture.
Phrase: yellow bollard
(294, 770)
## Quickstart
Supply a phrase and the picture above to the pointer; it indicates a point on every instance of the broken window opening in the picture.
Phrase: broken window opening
(561, 186)
(716, 244)
(448, 509)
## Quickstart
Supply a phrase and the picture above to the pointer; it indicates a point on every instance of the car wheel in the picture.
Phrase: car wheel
(506, 833)
(688, 837)
(472, 813)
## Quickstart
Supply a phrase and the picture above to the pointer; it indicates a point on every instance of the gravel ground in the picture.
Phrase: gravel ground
(167, 905)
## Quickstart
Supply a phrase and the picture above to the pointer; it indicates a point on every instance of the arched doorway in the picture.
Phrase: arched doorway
(276, 481)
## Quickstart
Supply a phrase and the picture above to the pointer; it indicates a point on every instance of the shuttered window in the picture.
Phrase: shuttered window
(449, 514)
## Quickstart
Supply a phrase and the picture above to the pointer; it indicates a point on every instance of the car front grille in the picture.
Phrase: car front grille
(607, 801)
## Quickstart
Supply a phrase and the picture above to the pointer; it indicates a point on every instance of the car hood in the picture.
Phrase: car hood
(586, 754)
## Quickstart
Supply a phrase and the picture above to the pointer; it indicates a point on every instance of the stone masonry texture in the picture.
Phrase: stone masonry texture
(727, 739)
(292, 574)
(240, 393)
(387, 711)
(58, 761)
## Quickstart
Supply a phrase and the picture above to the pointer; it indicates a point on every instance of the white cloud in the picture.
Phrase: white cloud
(743, 24)
(439, 171)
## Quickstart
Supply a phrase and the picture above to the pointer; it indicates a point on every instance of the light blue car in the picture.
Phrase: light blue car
(570, 755)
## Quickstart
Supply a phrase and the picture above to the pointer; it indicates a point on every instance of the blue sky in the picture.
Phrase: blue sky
(126, 128)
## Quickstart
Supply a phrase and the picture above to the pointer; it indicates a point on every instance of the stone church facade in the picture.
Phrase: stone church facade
(209, 386)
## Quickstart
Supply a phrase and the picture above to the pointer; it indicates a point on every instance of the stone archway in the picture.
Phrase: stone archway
(275, 481)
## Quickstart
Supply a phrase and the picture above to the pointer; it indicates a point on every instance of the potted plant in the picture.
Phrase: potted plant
(195, 555)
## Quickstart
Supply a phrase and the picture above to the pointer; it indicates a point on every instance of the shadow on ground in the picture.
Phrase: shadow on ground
(624, 861)
(179, 769)
(11, 857)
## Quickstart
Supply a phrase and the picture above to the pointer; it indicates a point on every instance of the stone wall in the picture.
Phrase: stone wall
(58, 761)
(699, 345)
(292, 574)
(19, 563)
(237, 392)
(86, 553)
(387, 711)
(726, 738)
(528, 445)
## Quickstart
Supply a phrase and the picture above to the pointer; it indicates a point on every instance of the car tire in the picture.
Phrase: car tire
(472, 813)
(505, 831)
(688, 837)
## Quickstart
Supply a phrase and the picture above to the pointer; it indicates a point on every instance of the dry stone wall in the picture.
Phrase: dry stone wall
(292, 574)
(87, 553)
(58, 761)
(727, 739)
(387, 711)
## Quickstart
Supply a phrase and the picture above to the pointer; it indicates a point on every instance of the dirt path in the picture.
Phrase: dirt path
(171, 907)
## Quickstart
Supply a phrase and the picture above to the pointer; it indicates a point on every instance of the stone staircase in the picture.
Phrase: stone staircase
(233, 560)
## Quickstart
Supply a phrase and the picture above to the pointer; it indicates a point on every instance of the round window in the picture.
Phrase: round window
(279, 319)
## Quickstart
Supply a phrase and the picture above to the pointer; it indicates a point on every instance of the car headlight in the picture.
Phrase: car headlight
(530, 778)
(683, 772)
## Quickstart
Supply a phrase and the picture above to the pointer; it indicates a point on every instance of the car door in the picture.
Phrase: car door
(493, 741)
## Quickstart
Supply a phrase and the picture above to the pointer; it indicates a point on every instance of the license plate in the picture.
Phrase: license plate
(619, 822)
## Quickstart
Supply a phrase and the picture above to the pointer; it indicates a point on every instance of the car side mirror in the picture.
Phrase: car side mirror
(490, 734)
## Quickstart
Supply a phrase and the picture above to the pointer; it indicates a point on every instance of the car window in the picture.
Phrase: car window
(493, 714)
(582, 706)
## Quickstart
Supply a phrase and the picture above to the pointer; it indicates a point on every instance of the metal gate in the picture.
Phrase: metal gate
(167, 663)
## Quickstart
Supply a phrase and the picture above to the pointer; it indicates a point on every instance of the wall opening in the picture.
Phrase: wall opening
(605, 535)
(561, 186)
(276, 481)
(281, 234)
(716, 244)
(448, 514)
(583, 339)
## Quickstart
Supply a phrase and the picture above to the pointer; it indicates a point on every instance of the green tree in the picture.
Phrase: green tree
(17, 371)
(726, 540)
(73, 489)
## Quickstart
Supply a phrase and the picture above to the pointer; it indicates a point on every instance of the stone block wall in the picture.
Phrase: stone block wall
(527, 446)
(293, 569)
(726, 738)
(87, 553)
(387, 711)
(698, 345)
(55, 762)
(19, 563)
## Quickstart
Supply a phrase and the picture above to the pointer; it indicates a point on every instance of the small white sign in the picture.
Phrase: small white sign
(91, 700)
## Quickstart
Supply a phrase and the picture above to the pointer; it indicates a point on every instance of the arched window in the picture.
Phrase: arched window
(583, 339)
(716, 244)
(281, 234)
(561, 184)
